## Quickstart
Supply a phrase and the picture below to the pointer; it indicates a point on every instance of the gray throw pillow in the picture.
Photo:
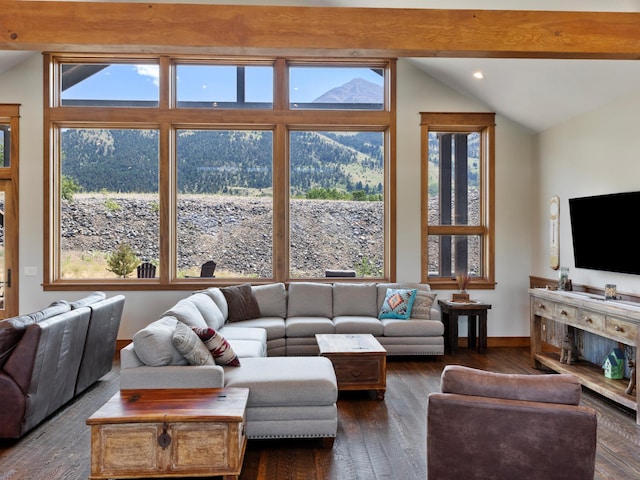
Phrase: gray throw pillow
(190, 346)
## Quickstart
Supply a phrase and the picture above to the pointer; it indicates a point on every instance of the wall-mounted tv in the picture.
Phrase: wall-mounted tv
(604, 232)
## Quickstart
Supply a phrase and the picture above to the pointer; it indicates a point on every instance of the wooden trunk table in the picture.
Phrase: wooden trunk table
(360, 362)
(169, 433)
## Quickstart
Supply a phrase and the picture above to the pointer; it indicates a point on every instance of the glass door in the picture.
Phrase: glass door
(8, 287)
(9, 116)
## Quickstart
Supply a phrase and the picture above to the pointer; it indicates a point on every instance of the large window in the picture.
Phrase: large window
(103, 205)
(273, 169)
(457, 199)
(348, 182)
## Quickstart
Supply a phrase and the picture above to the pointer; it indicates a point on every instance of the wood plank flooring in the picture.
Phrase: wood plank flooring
(376, 439)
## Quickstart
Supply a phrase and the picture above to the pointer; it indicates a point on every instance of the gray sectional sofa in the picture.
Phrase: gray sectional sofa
(50, 356)
(266, 326)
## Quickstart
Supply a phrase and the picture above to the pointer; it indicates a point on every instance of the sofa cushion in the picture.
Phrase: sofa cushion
(397, 303)
(232, 332)
(355, 299)
(422, 305)
(308, 326)
(274, 326)
(186, 312)
(412, 328)
(382, 289)
(272, 299)
(285, 381)
(216, 294)
(56, 308)
(220, 349)
(154, 344)
(208, 309)
(88, 300)
(309, 299)
(242, 303)
(358, 324)
(190, 346)
(248, 348)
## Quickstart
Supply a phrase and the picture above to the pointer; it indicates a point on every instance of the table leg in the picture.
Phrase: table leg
(447, 330)
(482, 343)
(471, 335)
(453, 331)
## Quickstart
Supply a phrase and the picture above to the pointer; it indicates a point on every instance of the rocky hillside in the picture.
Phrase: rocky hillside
(236, 232)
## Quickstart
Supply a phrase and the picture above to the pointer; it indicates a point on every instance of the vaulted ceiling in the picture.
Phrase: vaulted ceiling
(536, 93)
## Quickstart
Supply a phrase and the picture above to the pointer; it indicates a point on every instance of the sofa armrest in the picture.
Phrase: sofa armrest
(172, 376)
(135, 374)
(13, 404)
(474, 437)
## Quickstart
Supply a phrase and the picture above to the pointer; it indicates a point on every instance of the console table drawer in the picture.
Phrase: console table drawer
(621, 330)
(565, 313)
(591, 320)
(543, 308)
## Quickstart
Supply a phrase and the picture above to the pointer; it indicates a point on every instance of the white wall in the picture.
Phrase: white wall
(595, 153)
(416, 92)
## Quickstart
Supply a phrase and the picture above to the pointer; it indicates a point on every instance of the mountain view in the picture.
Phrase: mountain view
(357, 90)
(230, 161)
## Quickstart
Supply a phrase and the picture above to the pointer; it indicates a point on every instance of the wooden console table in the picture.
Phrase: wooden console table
(473, 309)
(616, 320)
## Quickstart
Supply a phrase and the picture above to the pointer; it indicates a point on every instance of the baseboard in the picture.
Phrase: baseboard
(513, 342)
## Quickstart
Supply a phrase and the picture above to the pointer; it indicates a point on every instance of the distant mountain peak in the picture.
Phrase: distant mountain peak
(357, 90)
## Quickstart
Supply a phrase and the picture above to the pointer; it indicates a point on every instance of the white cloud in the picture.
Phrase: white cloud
(152, 71)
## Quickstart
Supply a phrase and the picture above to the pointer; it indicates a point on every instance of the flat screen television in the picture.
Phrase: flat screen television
(603, 229)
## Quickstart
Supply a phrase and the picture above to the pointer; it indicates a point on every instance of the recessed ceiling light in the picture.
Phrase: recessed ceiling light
(479, 75)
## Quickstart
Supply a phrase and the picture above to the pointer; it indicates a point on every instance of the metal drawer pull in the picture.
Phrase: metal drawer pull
(542, 306)
(563, 312)
(618, 328)
(164, 439)
(588, 320)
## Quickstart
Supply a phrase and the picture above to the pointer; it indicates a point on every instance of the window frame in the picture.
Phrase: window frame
(484, 124)
(168, 118)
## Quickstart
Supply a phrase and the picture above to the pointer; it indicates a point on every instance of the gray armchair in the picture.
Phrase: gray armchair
(486, 425)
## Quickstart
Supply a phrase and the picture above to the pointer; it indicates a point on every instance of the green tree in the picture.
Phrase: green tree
(68, 188)
(122, 261)
(365, 267)
(359, 195)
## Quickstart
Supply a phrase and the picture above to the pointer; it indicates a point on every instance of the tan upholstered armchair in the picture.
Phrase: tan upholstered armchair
(488, 425)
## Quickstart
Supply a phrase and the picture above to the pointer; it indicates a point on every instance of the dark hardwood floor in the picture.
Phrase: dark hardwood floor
(376, 439)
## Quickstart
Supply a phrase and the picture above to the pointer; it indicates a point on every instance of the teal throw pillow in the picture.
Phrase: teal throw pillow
(398, 303)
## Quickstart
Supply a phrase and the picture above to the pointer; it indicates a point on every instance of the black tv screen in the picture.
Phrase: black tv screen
(604, 232)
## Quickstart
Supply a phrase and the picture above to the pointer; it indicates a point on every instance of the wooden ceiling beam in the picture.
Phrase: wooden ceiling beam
(103, 27)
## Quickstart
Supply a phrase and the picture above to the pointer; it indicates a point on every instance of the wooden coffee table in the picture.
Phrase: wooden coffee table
(359, 360)
(169, 433)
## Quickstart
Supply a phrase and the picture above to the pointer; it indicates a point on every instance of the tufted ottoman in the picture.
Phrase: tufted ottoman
(289, 397)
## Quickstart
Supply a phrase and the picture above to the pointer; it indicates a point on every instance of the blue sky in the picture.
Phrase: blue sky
(212, 83)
